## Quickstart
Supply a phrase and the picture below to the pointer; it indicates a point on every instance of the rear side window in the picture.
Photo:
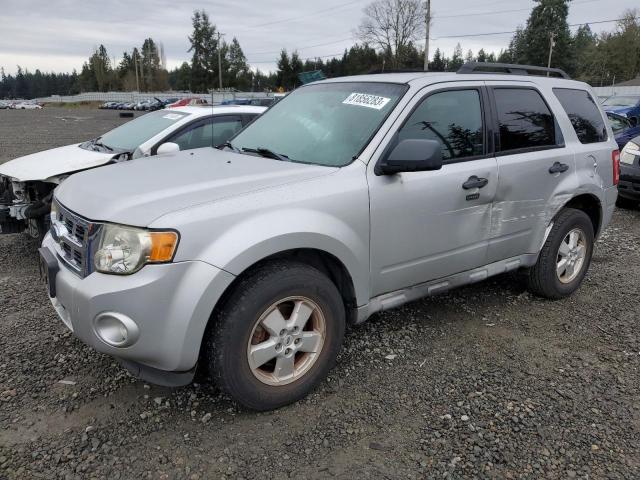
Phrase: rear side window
(453, 118)
(524, 120)
(583, 113)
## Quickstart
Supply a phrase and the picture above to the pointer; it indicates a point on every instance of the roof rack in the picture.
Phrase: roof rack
(511, 69)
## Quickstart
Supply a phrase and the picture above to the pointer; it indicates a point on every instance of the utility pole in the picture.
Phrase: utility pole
(427, 26)
(135, 67)
(220, 59)
(552, 43)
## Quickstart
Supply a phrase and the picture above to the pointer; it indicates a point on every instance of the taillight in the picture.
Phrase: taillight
(615, 160)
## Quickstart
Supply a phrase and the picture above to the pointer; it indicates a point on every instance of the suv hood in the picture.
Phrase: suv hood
(54, 162)
(136, 193)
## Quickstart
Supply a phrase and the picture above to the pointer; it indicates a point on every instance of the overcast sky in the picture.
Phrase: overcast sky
(59, 35)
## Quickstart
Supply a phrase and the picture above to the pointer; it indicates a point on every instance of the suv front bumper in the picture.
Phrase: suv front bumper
(161, 312)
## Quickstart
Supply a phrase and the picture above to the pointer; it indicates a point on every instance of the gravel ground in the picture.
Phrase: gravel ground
(484, 382)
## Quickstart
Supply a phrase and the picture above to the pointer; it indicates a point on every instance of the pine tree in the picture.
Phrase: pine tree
(548, 17)
(438, 64)
(203, 46)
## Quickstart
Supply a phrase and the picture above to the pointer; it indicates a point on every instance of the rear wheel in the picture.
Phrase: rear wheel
(565, 256)
(277, 335)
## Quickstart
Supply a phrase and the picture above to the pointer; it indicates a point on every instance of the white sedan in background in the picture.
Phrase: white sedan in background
(26, 106)
(27, 183)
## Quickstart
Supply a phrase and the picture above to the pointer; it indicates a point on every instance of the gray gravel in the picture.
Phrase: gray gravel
(484, 382)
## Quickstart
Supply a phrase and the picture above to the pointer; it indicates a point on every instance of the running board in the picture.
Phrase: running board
(390, 300)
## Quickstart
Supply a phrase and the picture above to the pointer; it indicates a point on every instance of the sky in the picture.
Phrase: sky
(59, 35)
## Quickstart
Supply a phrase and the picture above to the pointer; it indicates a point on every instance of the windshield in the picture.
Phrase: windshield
(622, 101)
(131, 135)
(325, 124)
(618, 124)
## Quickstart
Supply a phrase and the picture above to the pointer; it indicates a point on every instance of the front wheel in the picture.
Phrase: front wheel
(276, 336)
(565, 256)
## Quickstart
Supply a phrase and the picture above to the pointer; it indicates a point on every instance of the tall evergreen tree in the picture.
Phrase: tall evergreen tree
(549, 18)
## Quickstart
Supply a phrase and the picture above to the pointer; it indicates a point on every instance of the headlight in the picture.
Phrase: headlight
(125, 250)
(54, 210)
(629, 153)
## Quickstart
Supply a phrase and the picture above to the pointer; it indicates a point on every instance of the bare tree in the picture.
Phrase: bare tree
(391, 25)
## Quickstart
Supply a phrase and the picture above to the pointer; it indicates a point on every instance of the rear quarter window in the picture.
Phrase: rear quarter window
(587, 121)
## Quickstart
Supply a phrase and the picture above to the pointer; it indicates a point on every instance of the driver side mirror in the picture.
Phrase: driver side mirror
(411, 155)
(168, 147)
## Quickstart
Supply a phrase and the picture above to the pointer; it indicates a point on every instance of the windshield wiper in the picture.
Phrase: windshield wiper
(265, 152)
(98, 143)
(227, 145)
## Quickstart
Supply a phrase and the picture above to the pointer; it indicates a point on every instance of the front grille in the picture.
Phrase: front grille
(73, 234)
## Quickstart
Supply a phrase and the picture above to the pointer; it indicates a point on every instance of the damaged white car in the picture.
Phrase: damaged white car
(27, 183)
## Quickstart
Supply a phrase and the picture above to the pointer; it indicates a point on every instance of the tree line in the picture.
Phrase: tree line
(389, 38)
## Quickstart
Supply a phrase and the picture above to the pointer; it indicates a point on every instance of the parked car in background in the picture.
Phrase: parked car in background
(189, 101)
(108, 105)
(27, 183)
(623, 128)
(261, 102)
(4, 105)
(348, 197)
(625, 105)
(27, 106)
(629, 186)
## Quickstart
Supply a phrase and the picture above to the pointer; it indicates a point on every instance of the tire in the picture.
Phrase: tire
(544, 278)
(626, 203)
(281, 285)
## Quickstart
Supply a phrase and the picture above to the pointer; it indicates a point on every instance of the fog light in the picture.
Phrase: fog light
(116, 329)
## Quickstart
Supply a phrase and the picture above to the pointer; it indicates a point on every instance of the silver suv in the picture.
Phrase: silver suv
(348, 197)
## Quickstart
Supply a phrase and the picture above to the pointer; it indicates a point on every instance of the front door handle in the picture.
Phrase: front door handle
(474, 182)
(558, 168)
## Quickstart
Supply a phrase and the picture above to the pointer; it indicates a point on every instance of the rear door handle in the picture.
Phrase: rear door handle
(558, 168)
(474, 182)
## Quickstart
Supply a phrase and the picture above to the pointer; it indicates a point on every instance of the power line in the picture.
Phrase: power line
(514, 31)
(311, 14)
(494, 12)
(303, 59)
(303, 48)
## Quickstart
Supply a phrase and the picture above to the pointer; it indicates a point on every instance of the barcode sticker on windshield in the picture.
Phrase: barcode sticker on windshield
(366, 100)
(172, 116)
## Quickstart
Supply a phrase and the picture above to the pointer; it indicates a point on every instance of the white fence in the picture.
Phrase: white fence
(613, 90)
(215, 97)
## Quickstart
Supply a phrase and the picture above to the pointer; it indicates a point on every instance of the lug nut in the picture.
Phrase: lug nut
(295, 329)
(297, 342)
(278, 347)
(287, 351)
(282, 332)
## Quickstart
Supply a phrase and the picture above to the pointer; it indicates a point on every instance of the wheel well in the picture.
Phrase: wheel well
(590, 205)
(328, 264)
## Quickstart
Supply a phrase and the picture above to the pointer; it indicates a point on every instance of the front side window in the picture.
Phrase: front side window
(325, 124)
(131, 135)
(453, 118)
(524, 120)
(583, 113)
(211, 133)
